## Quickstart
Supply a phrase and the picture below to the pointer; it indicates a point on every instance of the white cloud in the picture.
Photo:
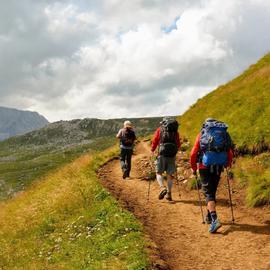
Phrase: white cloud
(73, 59)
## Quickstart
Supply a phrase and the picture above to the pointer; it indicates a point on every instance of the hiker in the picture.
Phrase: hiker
(211, 153)
(167, 140)
(127, 136)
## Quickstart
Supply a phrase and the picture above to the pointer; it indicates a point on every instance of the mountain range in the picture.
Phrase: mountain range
(81, 131)
(16, 122)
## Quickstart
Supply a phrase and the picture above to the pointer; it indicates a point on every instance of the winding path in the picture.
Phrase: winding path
(180, 238)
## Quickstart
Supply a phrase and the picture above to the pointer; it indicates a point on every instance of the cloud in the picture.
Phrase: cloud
(74, 59)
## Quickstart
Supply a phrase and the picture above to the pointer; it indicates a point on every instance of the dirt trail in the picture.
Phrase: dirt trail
(177, 230)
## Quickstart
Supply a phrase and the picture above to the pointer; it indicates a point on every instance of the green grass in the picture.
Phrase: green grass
(244, 104)
(21, 165)
(68, 221)
(253, 173)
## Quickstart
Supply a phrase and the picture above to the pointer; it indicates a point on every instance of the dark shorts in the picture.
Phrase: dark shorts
(165, 164)
(210, 182)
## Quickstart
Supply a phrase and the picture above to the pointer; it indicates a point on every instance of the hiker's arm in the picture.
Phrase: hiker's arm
(194, 153)
(230, 158)
(119, 134)
(155, 141)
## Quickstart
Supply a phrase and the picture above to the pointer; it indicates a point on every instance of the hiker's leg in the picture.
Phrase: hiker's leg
(204, 178)
(208, 189)
(169, 182)
(169, 187)
(170, 168)
(211, 192)
(215, 177)
(209, 186)
(160, 180)
(123, 158)
(129, 155)
(211, 206)
(160, 170)
(214, 180)
(123, 162)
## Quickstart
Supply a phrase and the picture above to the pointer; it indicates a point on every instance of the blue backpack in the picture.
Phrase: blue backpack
(215, 143)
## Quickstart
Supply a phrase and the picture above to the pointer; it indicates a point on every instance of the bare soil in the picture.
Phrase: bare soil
(179, 240)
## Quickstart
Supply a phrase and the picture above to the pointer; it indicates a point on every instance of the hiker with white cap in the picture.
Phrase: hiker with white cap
(127, 136)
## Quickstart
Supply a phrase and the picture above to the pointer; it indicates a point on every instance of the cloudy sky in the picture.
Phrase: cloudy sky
(71, 59)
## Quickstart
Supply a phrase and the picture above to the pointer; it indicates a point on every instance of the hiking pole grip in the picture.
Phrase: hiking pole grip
(230, 195)
(199, 196)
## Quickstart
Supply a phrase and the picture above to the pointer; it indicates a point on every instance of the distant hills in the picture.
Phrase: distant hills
(15, 122)
(243, 103)
(28, 157)
(81, 131)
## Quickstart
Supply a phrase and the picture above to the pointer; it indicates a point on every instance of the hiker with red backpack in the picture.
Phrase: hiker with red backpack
(167, 140)
(211, 153)
(127, 137)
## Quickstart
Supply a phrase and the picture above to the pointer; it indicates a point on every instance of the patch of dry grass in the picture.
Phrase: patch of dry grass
(68, 221)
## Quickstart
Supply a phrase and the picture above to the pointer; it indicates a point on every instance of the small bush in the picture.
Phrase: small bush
(192, 184)
(254, 174)
(258, 192)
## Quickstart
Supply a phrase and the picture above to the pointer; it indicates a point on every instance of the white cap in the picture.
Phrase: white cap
(127, 124)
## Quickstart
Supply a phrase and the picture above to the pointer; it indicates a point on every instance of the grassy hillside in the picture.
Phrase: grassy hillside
(31, 156)
(243, 103)
(21, 164)
(68, 221)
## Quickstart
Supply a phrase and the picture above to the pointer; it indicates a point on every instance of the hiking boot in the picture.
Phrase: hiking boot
(162, 194)
(208, 219)
(125, 174)
(215, 225)
(169, 196)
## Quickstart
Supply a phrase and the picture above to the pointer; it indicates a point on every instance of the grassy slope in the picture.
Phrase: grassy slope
(68, 221)
(243, 103)
(20, 165)
(28, 157)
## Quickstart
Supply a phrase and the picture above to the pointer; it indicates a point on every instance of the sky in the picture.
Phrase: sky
(72, 59)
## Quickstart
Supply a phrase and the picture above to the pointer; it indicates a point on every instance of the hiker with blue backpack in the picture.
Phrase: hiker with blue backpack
(167, 140)
(127, 137)
(211, 153)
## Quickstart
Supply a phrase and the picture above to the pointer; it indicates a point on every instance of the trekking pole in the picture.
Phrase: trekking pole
(199, 196)
(149, 184)
(177, 182)
(230, 196)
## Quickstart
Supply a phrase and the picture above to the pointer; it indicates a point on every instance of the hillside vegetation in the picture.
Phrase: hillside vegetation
(81, 131)
(26, 158)
(21, 164)
(244, 104)
(68, 221)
